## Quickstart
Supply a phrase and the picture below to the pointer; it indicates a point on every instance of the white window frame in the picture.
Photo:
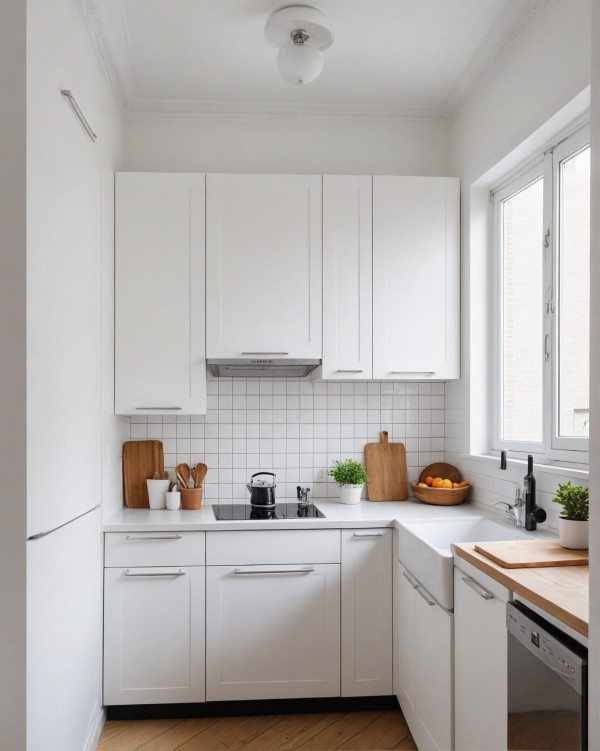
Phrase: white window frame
(553, 448)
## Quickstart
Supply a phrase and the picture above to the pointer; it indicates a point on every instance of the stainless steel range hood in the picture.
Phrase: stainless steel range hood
(246, 367)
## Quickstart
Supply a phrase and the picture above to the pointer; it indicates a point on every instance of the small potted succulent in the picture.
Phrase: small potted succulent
(350, 476)
(573, 523)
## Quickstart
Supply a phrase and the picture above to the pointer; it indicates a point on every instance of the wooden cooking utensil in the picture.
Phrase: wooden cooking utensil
(183, 475)
(386, 465)
(141, 459)
(199, 473)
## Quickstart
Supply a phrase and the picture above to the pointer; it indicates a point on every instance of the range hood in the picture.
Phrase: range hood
(246, 367)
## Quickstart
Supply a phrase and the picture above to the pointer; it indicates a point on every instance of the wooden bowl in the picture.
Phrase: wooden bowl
(441, 496)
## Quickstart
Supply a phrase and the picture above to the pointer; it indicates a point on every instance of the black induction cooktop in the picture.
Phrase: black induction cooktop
(242, 511)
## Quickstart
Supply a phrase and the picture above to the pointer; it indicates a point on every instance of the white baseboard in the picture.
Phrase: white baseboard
(96, 725)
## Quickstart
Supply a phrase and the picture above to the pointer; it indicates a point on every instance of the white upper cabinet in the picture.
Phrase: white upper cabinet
(263, 262)
(160, 364)
(347, 277)
(416, 278)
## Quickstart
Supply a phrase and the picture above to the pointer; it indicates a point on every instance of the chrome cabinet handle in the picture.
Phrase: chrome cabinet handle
(546, 350)
(368, 534)
(149, 573)
(161, 409)
(303, 570)
(154, 537)
(341, 370)
(415, 372)
(265, 353)
(414, 584)
(424, 596)
(470, 582)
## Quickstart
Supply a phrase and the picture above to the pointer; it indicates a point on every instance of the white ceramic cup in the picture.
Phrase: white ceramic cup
(156, 492)
(173, 500)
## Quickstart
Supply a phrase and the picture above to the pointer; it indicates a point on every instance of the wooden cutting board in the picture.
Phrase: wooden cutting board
(386, 465)
(140, 460)
(532, 554)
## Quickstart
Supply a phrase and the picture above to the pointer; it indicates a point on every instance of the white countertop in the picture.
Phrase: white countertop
(337, 515)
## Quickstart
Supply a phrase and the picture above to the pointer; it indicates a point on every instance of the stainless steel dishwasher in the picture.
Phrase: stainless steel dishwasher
(547, 684)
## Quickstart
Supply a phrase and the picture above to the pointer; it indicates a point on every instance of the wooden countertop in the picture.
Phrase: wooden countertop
(562, 591)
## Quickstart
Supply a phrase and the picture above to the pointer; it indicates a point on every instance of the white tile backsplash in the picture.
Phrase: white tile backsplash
(296, 429)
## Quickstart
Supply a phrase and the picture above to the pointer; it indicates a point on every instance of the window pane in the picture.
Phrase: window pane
(574, 296)
(522, 376)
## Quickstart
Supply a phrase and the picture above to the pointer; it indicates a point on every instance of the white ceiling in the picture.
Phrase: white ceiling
(389, 57)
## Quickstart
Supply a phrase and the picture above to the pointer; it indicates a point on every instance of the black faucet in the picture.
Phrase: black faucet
(533, 513)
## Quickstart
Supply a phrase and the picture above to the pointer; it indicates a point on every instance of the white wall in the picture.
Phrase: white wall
(545, 74)
(594, 699)
(13, 505)
(401, 148)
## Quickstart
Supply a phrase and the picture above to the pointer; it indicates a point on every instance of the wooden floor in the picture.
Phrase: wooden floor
(349, 731)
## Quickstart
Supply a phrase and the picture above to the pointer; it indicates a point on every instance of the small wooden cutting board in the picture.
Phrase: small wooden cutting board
(532, 554)
(140, 460)
(386, 465)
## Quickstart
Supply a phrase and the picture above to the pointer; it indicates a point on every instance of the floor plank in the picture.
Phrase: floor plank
(113, 728)
(231, 733)
(382, 734)
(340, 731)
(278, 737)
(136, 735)
(175, 737)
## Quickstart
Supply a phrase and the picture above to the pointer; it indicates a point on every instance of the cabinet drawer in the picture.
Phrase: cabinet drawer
(272, 546)
(154, 549)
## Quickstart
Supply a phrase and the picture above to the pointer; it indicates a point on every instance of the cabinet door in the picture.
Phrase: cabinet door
(406, 640)
(272, 632)
(264, 259)
(416, 277)
(480, 667)
(160, 364)
(433, 677)
(153, 635)
(367, 612)
(347, 277)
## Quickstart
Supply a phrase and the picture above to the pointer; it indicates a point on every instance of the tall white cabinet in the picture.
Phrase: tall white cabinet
(347, 277)
(416, 277)
(263, 264)
(160, 364)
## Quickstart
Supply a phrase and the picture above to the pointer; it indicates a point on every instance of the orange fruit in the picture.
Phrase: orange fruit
(446, 483)
(456, 485)
(429, 480)
(437, 482)
(464, 484)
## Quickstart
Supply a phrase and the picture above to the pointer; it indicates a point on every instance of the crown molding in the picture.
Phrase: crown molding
(105, 23)
(337, 113)
(493, 52)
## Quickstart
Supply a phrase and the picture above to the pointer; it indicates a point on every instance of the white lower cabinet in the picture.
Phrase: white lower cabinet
(272, 632)
(423, 663)
(480, 658)
(273, 615)
(153, 635)
(366, 612)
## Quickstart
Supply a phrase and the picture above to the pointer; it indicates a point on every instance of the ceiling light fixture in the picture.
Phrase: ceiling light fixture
(301, 33)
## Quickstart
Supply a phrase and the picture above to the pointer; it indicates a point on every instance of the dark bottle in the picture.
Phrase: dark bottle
(533, 514)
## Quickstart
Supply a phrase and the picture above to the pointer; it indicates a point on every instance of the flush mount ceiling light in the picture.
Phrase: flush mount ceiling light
(301, 33)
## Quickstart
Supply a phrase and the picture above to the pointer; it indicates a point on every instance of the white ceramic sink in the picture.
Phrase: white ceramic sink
(424, 548)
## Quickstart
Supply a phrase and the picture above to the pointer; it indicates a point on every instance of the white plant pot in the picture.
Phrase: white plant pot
(350, 493)
(573, 534)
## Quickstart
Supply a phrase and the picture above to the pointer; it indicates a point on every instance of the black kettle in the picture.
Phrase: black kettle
(262, 492)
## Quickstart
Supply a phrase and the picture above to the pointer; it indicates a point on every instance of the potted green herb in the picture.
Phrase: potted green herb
(573, 523)
(350, 476)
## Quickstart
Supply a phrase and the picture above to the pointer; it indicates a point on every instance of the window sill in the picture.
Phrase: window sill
(556, 468)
